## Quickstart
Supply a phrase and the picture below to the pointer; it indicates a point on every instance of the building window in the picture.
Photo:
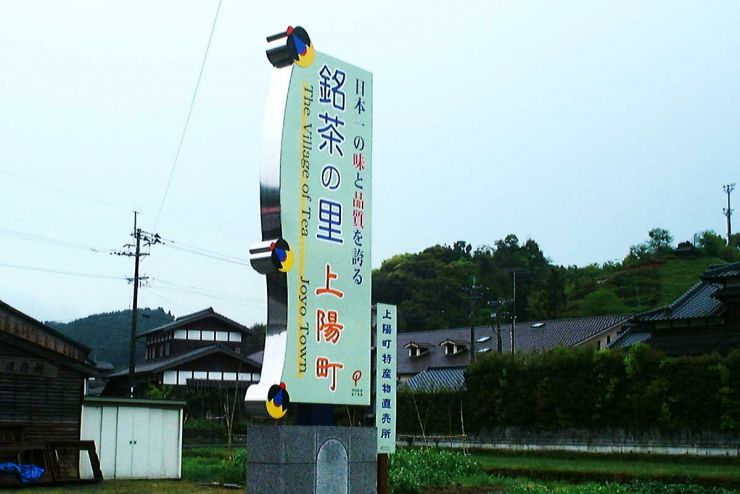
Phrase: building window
(166, 349)
(608, 339)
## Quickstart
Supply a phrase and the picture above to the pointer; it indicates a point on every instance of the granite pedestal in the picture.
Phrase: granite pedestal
(311, 459)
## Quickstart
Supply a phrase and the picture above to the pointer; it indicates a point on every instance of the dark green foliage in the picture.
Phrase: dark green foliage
(712, 244)
(580, 388)
(658, 244)
(427, 287)
(603, 301)
(410, 470)
(109, 334)
(438, 413)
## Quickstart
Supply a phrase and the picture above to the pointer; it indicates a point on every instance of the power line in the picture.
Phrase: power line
(56, 271)
(199, 251)
(202, 294)
(191, 249)
(151, 291)
(66, 191)
(208, 291)
(167, 219)
(187, 119)
(52, 241)
(202, 227)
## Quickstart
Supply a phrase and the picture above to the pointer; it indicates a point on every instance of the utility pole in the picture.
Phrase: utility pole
(148, 239)
(513, 272)
(728, 210)
(475, 294)
(496, 317)
(513, 313)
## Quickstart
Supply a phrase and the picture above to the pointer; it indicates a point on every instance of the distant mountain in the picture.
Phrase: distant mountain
(109, 334)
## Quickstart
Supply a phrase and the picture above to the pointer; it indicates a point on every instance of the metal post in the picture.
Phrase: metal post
(728, 211)
(383, 474)
(472, 329)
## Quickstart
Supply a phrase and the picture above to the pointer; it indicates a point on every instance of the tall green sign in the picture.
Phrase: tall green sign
(316, 201)
(325, 184)
(386, 344)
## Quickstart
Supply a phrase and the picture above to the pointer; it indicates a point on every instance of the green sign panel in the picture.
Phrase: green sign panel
(325, 199)
(386, 341)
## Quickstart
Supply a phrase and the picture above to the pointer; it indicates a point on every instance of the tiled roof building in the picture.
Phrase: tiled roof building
(437, 359)
(199, 349)
(705, 318)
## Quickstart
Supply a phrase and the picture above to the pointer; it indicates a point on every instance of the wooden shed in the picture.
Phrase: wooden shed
(42, 384)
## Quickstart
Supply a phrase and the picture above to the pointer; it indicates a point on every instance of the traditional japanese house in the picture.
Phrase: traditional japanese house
(197, 350)
(705, 319)
(437, 359)
(42, 384)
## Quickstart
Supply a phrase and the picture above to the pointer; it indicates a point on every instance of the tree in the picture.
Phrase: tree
(712, 244)
(659, 243)
(602, 301)
(660, 240)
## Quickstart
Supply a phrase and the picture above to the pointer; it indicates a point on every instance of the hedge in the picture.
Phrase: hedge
(577, 388)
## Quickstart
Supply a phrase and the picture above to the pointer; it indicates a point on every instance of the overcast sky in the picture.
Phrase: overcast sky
(581, 125)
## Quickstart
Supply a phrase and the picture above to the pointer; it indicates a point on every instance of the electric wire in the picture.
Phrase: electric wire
(166, 219)
(200, 251)
(187, 119)
(210, 256)
(202, 294)
(57, 271)
(31, 237)
(149, 290)
(66, 191)
(208, 291)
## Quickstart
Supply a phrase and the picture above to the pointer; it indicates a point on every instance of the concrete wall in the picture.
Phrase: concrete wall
(592, 441)
(311, 459)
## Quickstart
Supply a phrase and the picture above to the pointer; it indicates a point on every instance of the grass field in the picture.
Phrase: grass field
(137, 487)
(212, 464)
(700, 470)
(503, 472)
(678, 275)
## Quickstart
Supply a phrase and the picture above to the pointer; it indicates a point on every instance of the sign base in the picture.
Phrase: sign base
(311, 459)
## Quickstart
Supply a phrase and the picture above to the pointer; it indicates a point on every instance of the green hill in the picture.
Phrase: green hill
(446, 285)
(109, 334)
(637, 288)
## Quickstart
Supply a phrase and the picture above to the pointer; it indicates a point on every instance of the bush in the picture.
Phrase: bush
(410, 470)
(212, 465)
(582, 388)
